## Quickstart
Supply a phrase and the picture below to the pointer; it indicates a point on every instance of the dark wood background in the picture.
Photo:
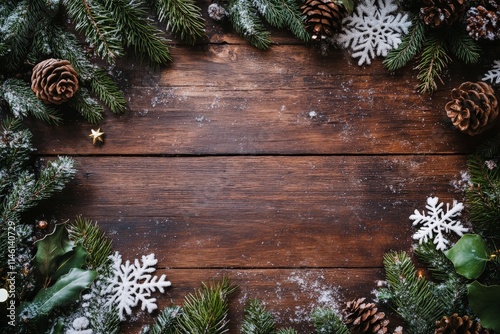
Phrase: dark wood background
(288, 171)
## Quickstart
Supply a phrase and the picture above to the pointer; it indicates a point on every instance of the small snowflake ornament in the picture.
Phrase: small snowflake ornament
(373, 29)
(493, 75)
(437, 222)
(132, 283)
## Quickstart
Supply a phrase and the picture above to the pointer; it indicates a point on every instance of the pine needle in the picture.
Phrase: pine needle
(107, 91)
(433, 61)
(327, 321)
(166, 321)
(247, 23)
(87, 106)
(206, 311)
(183, 18)
(463, 46)
(257, 319)
(410, 46)
(93, 239)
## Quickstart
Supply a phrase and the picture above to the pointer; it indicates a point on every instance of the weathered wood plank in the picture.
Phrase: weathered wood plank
(233, 99)
(257, 212)
(290, 295)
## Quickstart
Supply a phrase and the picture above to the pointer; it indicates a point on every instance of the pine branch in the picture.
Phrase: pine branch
(463, 46)
(247, 23)
(166, 321)
(23, 102)
(257, 319)
(98, 25)
(93, 239)
(107, 91)
(328, 322)
(183, 17)
(27, 191)
(410, 46)
(139, 32)
(433, 61)
(206, 311)
(286, 331)
(411, 296)
(483, 197)
(87, 106)
(283, 13)
(490, 148)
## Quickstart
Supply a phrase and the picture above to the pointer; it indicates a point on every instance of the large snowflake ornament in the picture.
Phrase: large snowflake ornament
(437, 222)
(131, 283)
(373, 29)
(493, 75)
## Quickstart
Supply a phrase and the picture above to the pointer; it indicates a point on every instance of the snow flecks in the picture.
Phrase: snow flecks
(436, 222)
(463, 183)
(373, 29)
(80, 326)
(202, 119)
(313, 114)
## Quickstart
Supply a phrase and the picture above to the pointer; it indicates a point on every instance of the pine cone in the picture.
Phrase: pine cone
(363, 317)
(436, 13)
(473, 108)
(323, 17)
(484, 23)
(459, 325)
(54, 81)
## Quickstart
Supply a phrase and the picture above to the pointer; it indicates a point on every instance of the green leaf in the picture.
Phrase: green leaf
(74, 259)
(51, 248)
(485, 303)
(66, 290)
(469, 256)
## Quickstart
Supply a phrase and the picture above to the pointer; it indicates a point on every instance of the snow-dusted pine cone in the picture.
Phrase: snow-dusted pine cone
(483, 22)
(437, 13)
(323, 17)
(473, 108)
(363, 317)
(459, 325)
(54, 81)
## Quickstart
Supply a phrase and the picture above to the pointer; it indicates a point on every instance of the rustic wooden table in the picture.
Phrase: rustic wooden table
(290, 172)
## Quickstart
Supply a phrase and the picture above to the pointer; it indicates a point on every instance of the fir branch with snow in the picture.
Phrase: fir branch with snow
(436, 222)
(373, 29)
(132, 283)
(493, 75)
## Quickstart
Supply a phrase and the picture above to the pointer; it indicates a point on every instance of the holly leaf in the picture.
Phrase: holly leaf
(73, 259)
(469, 256)
(66, 290)
(51, 248)
(485, 303)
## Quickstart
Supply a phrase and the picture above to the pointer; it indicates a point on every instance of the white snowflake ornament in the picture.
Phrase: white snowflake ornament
(133, 283)
(437, 222)
(493, 75)
(373, 29)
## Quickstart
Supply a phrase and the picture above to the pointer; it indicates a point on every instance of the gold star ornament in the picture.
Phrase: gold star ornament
(96, 136)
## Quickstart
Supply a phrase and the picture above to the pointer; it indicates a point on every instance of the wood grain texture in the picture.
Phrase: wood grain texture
(234, 99)
(258, 212)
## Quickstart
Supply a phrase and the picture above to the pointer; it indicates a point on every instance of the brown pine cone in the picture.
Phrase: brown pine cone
(483, 23)
(437, 13)
(323, 17)
(363, 317)
(459, 325)
(54, 81)
(473, 108)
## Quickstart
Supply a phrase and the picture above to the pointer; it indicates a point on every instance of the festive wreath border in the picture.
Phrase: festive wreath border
(76, 257)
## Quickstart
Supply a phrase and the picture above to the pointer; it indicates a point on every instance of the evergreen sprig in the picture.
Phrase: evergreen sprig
(87, 233)
(257, 319)
(464, 47)
(166, 321)
(432, 63)
(246, 17)
(326, 321)
(183, 18)
(411, 296)
(206, 310)
(410, 46)
(483, 196)
(286, 331)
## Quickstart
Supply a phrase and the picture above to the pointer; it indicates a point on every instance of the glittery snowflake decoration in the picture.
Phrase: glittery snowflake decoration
(437, 222)
(130, 284)
(373, 29)
(493, 75)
